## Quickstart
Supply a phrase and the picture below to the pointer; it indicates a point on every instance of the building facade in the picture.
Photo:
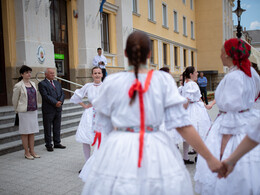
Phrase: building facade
(64, 34)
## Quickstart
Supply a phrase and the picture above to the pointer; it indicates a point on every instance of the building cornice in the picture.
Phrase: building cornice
(110, 7)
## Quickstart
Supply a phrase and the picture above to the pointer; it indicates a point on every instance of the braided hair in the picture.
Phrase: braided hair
(137, 50)
(186, 74)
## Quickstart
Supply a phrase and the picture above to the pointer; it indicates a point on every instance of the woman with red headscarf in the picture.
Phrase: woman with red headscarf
(235, 97)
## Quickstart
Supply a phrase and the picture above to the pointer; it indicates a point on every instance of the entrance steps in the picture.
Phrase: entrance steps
(10, 139)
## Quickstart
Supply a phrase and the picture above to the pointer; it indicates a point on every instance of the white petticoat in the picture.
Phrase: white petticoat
(85, 132)
(199, 118)
(245, 177)
(113, 169)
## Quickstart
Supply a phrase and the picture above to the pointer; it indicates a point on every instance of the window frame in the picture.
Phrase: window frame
(165, 54)
(164, 15)
(184, 58)
(107, 47)
(175, 23)
(152, 52)
(149, 11)
(184, 24)
(191, 4)
(192, 35)
(175, 56)
(135, 2)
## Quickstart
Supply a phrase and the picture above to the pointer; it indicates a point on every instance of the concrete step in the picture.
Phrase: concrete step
(13, 146)
(9, 119)
(13, 136)
(74, 112)
(10, 139)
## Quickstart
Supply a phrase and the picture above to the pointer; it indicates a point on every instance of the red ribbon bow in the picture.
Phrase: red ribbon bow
(137, 86)
(97, 137)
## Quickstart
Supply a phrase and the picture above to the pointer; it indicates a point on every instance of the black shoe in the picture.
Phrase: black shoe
(49, 149)
(188, 162)
(59, 146)
(192, 152)
(79, 170)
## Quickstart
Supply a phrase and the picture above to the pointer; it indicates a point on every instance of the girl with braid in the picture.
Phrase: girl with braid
(136, 157)
(195, 108)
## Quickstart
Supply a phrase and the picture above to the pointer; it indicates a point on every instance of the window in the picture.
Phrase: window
(164, 12)
(105, 32)
(135, 6)
(151, 9)
(165, 54)
(192, 58)
(184, 26)
(176, 56)
(184, 58)
(192, 29)
(184, 1)
(152, 52)
(191, 4)
(175, 19)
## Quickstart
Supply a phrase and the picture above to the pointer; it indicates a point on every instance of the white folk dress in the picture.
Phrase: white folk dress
(234, 97)
(115, 170)
(196, 109)
(173, 134)
(254, 131)
(85, 132)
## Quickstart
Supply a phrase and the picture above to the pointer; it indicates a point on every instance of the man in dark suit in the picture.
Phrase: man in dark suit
(52, 100)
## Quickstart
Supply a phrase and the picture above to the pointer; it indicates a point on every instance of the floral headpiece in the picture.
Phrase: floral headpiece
(239, 51)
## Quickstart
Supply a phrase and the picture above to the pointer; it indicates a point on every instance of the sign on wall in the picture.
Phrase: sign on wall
(40, 54)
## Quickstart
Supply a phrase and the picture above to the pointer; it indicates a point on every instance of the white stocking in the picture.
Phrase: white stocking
(185, 151)
(86, 150)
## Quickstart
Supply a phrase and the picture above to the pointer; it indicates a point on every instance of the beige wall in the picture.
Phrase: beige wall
(209, 34)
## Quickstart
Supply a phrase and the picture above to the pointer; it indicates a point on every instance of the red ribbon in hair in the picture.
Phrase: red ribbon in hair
(239, 51)
(97, 137)
(137, 86)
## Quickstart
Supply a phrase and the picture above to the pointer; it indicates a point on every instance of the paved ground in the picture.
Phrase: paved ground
(54, 173)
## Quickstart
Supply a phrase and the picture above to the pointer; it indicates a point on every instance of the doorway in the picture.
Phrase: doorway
(59, 37)
(3, 94)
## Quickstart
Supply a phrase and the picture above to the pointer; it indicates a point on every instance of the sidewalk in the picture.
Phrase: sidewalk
(55, 173)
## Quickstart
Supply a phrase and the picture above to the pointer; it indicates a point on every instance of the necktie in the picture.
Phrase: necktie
(52, 84)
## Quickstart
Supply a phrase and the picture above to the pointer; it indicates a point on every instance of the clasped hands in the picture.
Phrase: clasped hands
(58, 104)
(223, 168)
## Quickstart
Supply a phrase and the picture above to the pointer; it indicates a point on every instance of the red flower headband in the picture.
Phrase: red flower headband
(239, 51)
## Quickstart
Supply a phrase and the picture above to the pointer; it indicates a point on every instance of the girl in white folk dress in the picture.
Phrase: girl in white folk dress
(234, 96)
(136, 157)
(195, 107)
(85, 133)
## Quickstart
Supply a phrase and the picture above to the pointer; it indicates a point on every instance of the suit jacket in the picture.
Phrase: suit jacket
(50, 96)
(20, 99)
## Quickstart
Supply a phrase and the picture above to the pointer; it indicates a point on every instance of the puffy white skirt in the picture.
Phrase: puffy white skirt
(85, 133)
(113, 168)
(199, 118)
(245, 178)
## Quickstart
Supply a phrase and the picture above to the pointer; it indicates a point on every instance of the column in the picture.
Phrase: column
(124, 27)
(34, 47)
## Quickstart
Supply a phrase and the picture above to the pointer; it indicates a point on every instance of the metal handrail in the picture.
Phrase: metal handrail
(79, 85)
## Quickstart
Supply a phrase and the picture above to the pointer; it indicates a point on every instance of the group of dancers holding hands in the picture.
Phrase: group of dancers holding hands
(140, 115)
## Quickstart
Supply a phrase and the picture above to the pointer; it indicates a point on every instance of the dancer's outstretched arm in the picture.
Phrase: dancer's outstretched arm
(192, 137)
(245, 146)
